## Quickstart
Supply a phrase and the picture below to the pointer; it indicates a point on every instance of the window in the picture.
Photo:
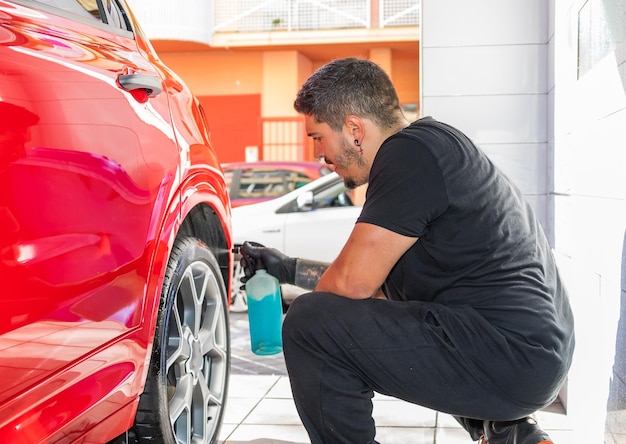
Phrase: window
(332, 195)
(269, 183)
(84, 8)
(335, 195)
(103, 11)
(601, 30)
(114, 14)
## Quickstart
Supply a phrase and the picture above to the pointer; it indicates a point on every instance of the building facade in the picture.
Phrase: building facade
(246, 60)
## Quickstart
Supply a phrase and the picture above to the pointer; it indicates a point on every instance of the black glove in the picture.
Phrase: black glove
(279, 265)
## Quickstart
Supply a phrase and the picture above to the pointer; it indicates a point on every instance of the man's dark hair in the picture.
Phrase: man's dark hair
(349, 86)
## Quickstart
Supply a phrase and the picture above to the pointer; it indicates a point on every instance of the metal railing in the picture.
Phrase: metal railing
(399, 13)
(305, 15)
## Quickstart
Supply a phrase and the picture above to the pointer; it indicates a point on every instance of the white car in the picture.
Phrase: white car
(312, 222)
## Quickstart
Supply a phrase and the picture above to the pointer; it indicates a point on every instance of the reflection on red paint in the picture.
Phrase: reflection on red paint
(90, 178)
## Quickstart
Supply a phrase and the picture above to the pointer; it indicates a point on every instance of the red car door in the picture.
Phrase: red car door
(88, 166)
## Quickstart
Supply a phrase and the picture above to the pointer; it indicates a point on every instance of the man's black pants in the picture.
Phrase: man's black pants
(339, 351)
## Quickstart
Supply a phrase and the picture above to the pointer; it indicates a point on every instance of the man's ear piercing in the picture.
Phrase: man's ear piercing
(356, 142)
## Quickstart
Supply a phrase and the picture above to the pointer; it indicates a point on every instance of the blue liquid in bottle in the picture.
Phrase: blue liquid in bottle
(265, 313)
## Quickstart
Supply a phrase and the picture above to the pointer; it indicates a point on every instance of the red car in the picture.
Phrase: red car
(253, 182)
(115, 239)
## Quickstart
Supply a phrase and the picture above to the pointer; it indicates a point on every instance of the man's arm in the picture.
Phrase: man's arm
(288, 270)
(308, 273)
(358, 272)
(364, 262)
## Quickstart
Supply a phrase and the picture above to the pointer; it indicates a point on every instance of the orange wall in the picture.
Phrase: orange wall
(234, 124)
(280, 83)
(405, 77)
(237, 88)
(218, 72)
(242, 72)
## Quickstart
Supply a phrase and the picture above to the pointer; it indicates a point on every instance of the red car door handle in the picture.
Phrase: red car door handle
(150, 84)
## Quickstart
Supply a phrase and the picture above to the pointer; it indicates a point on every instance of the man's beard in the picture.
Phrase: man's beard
(347, 157)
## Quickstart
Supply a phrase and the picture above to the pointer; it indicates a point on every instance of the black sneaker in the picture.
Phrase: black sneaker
(522, 431)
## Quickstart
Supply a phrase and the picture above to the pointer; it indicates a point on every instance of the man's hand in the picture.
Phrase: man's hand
(277, 264)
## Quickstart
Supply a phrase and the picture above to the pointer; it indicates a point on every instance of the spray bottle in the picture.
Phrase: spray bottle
(265, 311)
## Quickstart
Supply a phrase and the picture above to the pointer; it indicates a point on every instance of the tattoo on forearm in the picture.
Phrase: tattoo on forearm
(308, 273)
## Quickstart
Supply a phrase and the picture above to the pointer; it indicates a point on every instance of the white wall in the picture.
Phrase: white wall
(505, 72)
(590, 207)
(485, 71)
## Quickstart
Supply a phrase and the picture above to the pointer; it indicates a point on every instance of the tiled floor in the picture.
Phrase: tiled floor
(260, 408)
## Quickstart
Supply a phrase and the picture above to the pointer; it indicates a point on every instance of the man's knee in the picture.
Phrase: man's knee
(304, 308)
(307, 313)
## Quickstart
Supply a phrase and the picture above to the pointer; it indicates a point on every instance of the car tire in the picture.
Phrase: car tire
(187, 382)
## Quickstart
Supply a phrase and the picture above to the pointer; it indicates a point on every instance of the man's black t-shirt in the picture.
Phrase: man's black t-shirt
(480, 251)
